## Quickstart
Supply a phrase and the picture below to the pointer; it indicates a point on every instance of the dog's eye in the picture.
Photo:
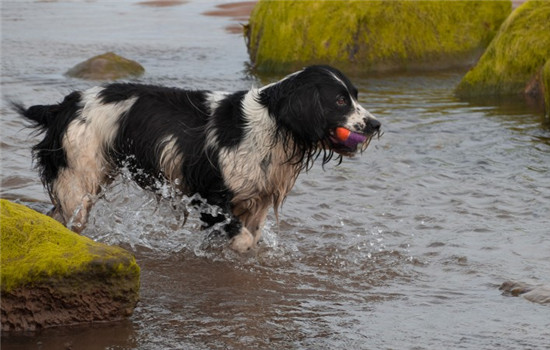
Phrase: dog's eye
(341, 101)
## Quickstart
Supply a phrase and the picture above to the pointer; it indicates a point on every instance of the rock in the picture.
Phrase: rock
(368, 36)
(108, 66)
(514, 289)
(51, 276)
(535, 294)
(546, 86)
(513, 63)
(540, 295)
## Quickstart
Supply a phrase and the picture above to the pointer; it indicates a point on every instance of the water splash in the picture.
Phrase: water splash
(163, 220)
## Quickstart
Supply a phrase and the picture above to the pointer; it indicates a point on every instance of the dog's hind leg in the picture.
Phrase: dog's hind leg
(77, 185)
(74, 192)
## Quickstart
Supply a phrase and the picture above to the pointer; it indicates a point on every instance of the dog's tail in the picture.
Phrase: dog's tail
(52, 120)
(39, 116)
(43, 116)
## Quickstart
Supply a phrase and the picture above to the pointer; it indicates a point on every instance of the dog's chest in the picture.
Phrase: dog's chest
(252, 173)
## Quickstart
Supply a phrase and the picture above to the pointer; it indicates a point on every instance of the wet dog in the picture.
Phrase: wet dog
(241, 151)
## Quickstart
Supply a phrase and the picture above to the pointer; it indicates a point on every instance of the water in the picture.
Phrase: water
(404, 247)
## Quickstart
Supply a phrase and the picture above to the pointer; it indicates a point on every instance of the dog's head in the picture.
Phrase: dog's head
(318, 106)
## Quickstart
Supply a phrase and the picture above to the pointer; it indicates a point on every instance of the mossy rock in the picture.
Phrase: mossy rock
(108, 66)
(513, 63)
(51, 276)
(367, 36)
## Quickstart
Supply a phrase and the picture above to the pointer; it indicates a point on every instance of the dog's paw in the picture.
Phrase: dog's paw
(243, 242)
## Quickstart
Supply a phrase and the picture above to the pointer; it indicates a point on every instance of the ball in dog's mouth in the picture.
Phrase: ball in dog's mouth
(345, 141)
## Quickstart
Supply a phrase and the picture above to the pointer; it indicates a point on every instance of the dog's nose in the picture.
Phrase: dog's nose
(372, 126)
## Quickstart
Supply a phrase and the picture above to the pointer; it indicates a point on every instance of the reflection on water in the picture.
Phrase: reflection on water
(403, 247)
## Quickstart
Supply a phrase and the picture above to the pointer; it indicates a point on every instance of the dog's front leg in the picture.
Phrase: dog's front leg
(240, 238)
(243, 222)
(253, 221)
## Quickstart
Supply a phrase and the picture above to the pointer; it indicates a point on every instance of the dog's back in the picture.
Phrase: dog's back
(90, 134)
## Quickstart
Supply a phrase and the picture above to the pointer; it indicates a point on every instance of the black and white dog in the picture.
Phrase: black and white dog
(239, 151)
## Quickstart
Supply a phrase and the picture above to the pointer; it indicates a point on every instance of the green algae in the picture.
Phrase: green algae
(36, 249)
(515, 56)
(371, 35)
(108, 66)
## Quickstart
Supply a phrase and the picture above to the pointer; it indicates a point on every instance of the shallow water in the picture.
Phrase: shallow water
(402, 247)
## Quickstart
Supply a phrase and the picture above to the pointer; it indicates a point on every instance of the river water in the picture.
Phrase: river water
(403, 247)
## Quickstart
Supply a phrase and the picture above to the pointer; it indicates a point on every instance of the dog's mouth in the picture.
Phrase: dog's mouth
(346, 142)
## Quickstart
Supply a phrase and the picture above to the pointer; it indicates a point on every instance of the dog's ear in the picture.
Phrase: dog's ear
(300, 110)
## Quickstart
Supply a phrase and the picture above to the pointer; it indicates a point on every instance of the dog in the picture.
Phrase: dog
(241, 151)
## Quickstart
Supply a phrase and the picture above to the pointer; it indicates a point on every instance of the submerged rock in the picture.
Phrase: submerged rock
(535, 294)
(371, 35)
(51, 276)
(108, 66)
(513, 63)
(162, 3)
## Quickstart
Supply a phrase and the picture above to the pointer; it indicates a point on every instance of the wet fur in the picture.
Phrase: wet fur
(240, 151)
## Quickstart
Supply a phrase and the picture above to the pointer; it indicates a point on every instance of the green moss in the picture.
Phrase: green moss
(515, 56)
(371, 35)
(37, 249)
(108, 66)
